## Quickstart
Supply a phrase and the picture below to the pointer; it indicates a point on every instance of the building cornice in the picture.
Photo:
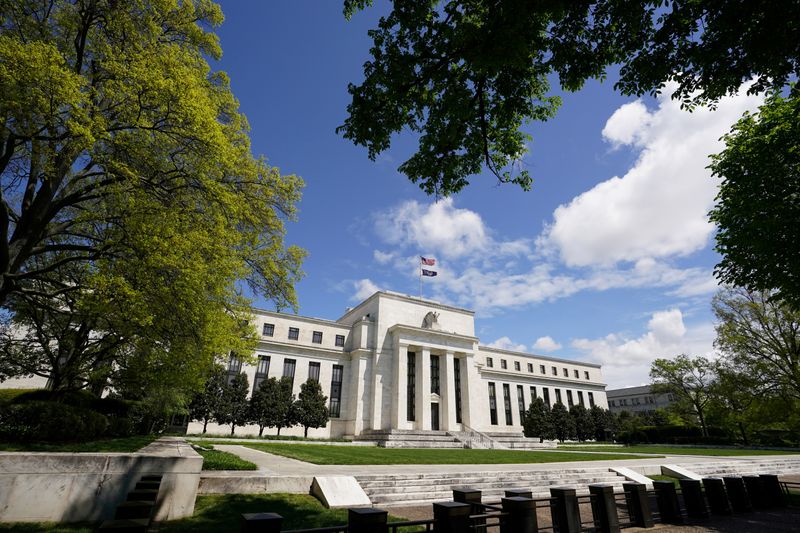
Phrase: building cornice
(507, 375)
(309, 319)
(484, 348)
(403, 328)
(285, 347)
(406, 298)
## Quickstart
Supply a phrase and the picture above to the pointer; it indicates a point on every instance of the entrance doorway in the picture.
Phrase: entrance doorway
(435, 416)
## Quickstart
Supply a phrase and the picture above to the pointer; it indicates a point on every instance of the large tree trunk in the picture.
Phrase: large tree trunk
(279, 431)
(260, 431)
(305, 432)
(744, 433)
(233, 428)
(205, 425)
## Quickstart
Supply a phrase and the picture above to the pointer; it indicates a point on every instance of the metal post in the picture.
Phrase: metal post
(566, 513)
(604, 507)
(451, 517)
(367, 520)
(715, 493)
(693, 498)
(754, 490)
(261, 523)
(773, 495)
(667, 499)
(638, 504)
(520, 493)
(521, 515)
(737, 494)
(472, 497)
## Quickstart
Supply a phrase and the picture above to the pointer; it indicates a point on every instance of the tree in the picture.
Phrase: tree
(602, 422)
(206, 403)
(584, 422)
(233, 408)
(757, 212)
(735, 393)
(689, 380)
(271, 404)
(466, 75)
(536, 422)
(761, 335)
(562, 423)
(310, 409)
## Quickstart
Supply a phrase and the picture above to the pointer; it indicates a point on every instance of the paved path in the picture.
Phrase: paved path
(283, 466)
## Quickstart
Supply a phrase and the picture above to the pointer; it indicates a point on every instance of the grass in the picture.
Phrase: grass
(353, 455)
(6, 395)
(50, 527)
(122, 444)
(219, 460)
(674, 450)
(674, 480)
(222, 512)
(200, 436)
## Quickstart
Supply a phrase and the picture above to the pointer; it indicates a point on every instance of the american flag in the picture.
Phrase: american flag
(426, 261)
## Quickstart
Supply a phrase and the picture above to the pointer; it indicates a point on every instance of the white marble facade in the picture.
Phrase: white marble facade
(392, 347)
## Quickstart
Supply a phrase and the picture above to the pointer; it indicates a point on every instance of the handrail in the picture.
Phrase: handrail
(473, 435)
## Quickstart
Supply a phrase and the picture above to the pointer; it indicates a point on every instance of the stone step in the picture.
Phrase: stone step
(419, 444)
(134, 509)
(138, 525)
(487, 473)
(407, 492)
(466, 481)
(488, 495)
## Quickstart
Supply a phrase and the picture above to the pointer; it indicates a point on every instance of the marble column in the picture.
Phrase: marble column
(400, 384)
(423, 389)
(447, 379)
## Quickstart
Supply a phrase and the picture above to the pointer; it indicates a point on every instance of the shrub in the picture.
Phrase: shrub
(48, 421)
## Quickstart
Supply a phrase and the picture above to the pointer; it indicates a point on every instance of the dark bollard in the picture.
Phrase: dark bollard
(638, 504)
(367, 520)
(693, 498)
(519, 493)
(451, 517)
(604, 507)
(773, 495)
(566, 514)
(754, 491)
(737, 494)
(716, 496)
(521, 515)
(261, 523)
(472, 497)
(667, 499)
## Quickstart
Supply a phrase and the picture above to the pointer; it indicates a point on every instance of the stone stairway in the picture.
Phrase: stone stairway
(397, 438)
(420, 489)
(767, 465)
(517, 441)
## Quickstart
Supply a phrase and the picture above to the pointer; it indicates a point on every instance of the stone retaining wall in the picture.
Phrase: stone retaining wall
(75, 487)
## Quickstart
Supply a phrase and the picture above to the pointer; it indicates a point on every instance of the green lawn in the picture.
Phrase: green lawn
(219, 460)
(672, 450)
(358, 455)
(50, 527)
(222, 513)
(125, 444)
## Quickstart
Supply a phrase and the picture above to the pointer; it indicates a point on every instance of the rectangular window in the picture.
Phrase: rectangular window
(530, 368)
(586, 374)
(613, 403)
(489, 362)
(521, 400)
(234, 367)
(294, 334)
(411, 370)
(555, 371)
(591, 399)
(576, 374)
(339, 340)
(313, 371)
(533, 394)
(546, 396)
(457, 379)
(288, 368)
(316, 337)
(492, 404)
(516, 366)
(580, 398)
(507, 404)
(434, 374)
(542, 370)
(566, 373)
(558, 396)
(269, 330)
(503, 364)
(336, 391)
(262, 371)
(570, 401)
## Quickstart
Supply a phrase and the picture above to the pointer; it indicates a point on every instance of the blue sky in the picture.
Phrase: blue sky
(608, 258)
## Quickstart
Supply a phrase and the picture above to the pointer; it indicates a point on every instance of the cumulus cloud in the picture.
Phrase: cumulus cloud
(659, 207)
(364, 289)
(383, 257)
(439, 227)
(546, 344)
(626, 361)
(504, 343)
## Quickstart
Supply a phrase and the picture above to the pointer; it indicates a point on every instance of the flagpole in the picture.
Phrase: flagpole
(420, 278)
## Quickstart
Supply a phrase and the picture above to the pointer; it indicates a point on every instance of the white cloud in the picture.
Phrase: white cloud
(659, 207)
(546, 344)
(504, 343)
(383, 257)
(626, 361)
(364, 289)
(439, 227)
